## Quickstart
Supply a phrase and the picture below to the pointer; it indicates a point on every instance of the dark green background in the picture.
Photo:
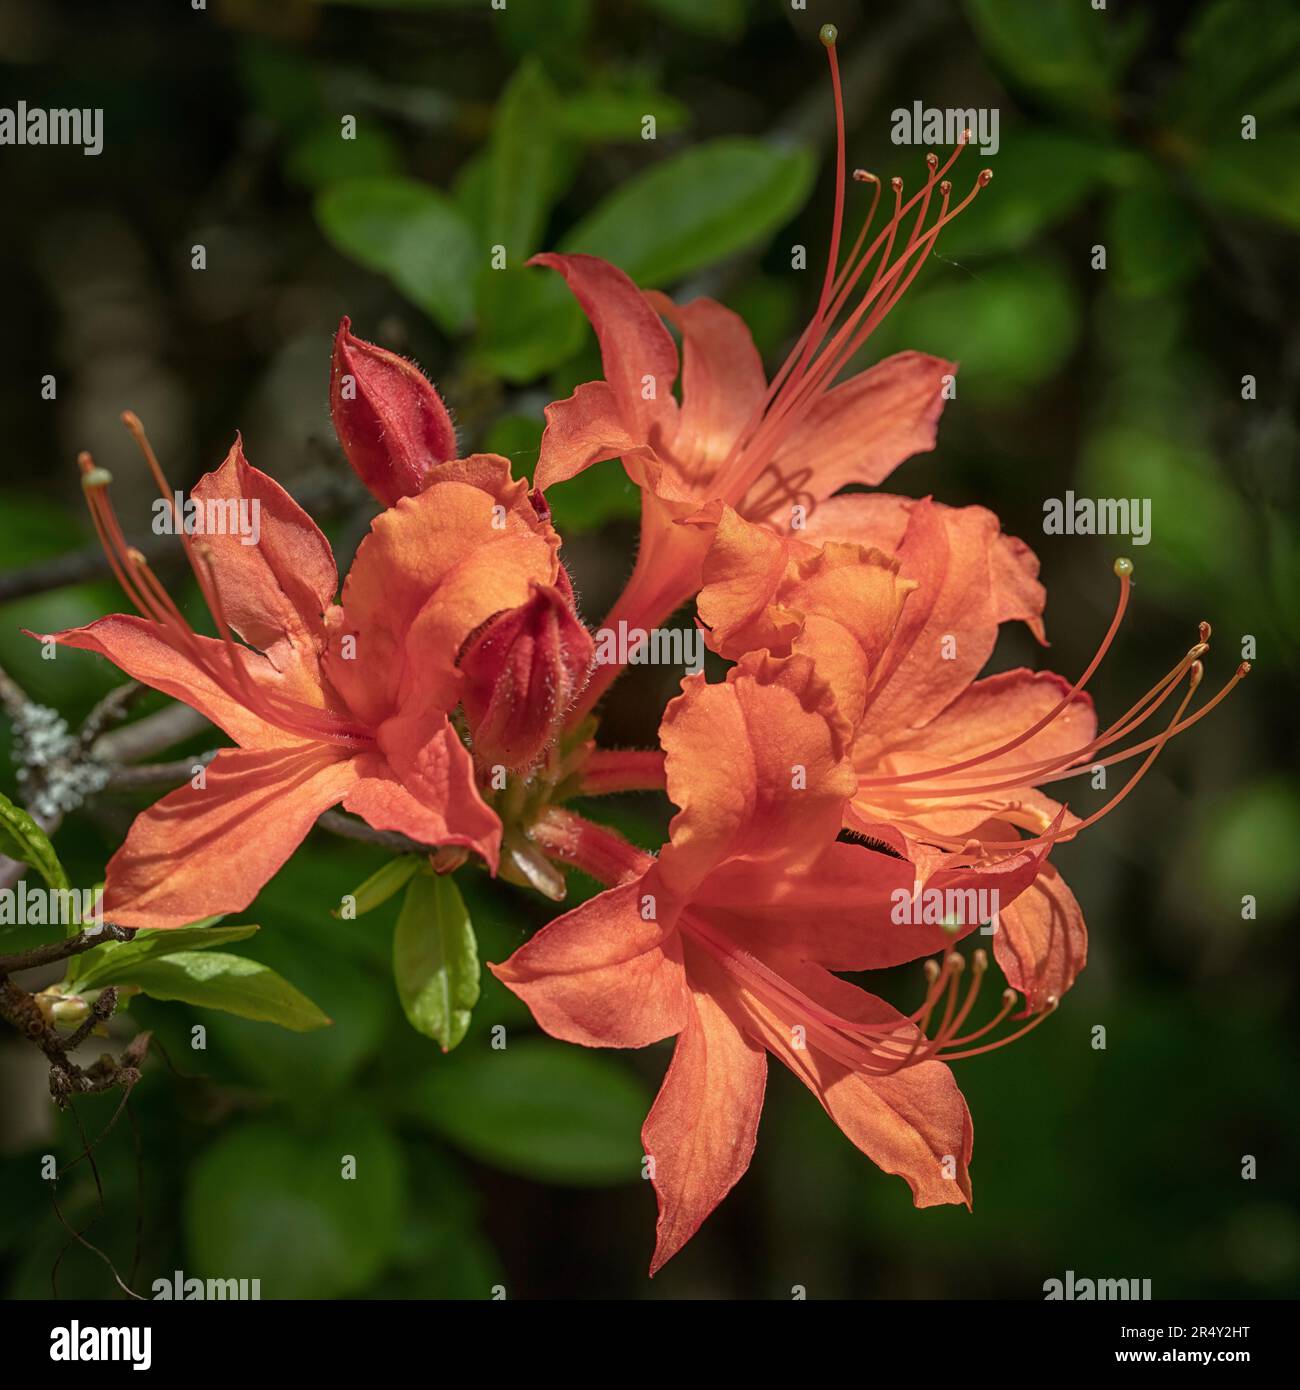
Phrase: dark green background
(1120, 127)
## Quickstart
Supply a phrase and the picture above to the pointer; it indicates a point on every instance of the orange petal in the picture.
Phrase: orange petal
(141, 649)
(424, 787)
(701, 1129)
(987, 715)
(601, 975)
(451, 557)
(636, 350)
(1042, 943)
(837, 603)
(969, 578)
(913, 1123)
(757, 767)
(199, 853)
(273, 593)
(861, 430)
(835, 911)
(723, 382)
(584, 428)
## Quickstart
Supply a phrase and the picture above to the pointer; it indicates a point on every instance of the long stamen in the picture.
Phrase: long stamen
(1078, 760)
(148, 596)
(1124, 570)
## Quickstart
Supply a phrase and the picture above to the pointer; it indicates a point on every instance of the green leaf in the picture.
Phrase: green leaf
(1063, 49)
(381, 885)
(694, 208)
(320, 156)
(602, 494)
(215, 980)
(609, 113)
(723, 19)
(1227, 72)
(435, 959)
(1260, 176)
(540, 1108)
(521, 163)
(115, 962)
(556, 28)
(1040, 176)
(416, 237)
(528, 323)
(1010, 326)
(270, 1202)
(22, 839)
(1156, 239)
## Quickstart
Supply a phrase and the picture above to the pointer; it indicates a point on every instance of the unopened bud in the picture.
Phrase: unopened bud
(392, 424)
(523, 670)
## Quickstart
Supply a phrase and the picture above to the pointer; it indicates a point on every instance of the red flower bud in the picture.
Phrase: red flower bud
(523, 668)
(391, 422)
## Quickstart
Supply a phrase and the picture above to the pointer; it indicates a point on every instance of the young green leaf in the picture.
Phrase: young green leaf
(435, 959)
(694, 208)
(407, 231)
(115, 962)
(215, 980)
(521, 163)
(22, 839)
(379, 887)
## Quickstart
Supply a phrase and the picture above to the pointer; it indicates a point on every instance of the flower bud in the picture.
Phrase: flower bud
(391, 422)
(523, 669)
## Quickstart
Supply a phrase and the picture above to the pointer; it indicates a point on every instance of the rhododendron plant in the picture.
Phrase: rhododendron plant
(846, 760)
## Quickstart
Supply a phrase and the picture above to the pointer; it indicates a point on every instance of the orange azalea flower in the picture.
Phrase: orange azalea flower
(329, 703)
(729, 938)
(948, 766)
(772, 450)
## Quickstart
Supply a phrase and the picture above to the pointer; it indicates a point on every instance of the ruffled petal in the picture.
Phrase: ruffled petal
(640, 362)
(431, 570)
(757, 767)
(969, 577)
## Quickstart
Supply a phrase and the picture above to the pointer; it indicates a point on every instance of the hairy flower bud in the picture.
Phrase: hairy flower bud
(523, 669)
(392, 423)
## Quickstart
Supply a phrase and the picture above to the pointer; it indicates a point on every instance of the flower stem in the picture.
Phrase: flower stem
(622, 770)
(599, 852)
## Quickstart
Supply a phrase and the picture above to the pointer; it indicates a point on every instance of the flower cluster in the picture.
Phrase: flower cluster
(853, 759)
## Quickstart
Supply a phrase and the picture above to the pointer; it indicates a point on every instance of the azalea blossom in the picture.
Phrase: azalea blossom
(771, 449)
(728, 939)
(948, 766)
(329, 702)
